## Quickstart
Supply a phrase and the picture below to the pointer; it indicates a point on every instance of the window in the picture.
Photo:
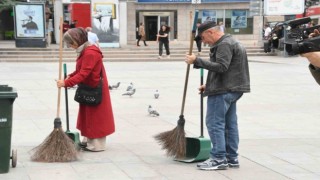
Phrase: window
(238, 22)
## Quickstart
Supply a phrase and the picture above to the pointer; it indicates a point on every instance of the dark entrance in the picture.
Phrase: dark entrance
(151, 23)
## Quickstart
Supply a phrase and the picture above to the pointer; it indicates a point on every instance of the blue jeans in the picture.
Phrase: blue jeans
(222, 125)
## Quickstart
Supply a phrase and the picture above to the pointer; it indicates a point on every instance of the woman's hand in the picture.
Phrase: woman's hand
(60, 83)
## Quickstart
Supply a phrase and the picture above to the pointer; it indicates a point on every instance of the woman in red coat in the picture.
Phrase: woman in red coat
(94, 122)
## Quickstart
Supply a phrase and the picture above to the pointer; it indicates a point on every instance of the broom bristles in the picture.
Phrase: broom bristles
(173, 142)
(57, 147)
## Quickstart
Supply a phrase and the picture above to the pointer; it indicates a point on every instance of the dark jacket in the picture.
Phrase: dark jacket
(315, 73)
(228, 69)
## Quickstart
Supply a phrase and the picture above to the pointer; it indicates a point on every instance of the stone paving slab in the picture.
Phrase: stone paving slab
(278, 121)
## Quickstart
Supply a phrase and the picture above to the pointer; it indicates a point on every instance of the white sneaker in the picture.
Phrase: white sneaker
(168, 56)
(159, 57)
(199, 53)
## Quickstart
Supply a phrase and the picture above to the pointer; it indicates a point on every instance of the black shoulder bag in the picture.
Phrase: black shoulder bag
(87, 95)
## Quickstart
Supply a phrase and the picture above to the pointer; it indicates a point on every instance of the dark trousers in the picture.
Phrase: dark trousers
(166, 45)
(199, 44)
(139, 38)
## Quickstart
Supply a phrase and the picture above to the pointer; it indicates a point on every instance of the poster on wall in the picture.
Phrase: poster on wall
(105, 22)
(29, 20)
(239, 19)
(284, 7)
(209, 15)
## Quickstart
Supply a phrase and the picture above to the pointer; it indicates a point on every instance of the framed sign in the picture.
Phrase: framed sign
(239, 19)
(209, 15)
(29, 20)
(105, 22)
(283, 7)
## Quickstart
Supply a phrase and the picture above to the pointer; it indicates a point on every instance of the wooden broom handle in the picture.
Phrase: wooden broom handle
(60, 65)
(192, 34)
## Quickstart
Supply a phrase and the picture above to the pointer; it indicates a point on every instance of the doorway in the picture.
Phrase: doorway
(151, 23)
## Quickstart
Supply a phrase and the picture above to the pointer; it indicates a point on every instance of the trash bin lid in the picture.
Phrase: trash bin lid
(7, 92)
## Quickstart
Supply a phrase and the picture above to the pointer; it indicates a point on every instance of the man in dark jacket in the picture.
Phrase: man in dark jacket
(227, 80)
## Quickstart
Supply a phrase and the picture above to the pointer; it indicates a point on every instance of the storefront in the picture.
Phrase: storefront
(123, 17)
(176, 13)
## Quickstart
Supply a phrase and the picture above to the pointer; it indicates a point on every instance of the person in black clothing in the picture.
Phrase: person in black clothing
(163, 39)
(198, 39)
(277, 34)
(73, 24)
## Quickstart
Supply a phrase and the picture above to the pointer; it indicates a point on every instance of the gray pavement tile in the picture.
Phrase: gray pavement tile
(278, 122)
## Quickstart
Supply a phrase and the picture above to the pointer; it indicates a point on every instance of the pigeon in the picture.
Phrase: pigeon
(116, 86)
(129, 93)
(152, 112)
(130, 87)
(156, 94)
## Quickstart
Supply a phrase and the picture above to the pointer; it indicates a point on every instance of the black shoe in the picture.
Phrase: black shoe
(145, 45)
(82, 145)
(138, 45)
(233, 163)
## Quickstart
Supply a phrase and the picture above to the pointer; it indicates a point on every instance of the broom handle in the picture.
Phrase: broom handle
(60, 64)
(201, 103)
(66, 96)
(192, 34)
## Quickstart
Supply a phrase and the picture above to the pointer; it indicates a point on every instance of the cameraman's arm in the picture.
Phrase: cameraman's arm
(314, 59)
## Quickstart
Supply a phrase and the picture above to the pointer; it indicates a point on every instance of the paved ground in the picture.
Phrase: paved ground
(279, 122)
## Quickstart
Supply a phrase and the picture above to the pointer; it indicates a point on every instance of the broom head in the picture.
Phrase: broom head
(57, 147)
(174, 141)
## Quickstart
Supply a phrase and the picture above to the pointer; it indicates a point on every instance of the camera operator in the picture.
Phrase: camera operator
(314, 59)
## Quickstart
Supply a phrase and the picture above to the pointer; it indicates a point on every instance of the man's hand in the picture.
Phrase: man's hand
(190, 58)
(202, 88)
(314, 34)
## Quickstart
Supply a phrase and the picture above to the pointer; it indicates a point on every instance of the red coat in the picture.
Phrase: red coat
(93, 121)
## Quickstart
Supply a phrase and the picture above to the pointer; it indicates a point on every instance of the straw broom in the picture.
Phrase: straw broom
(57, 147)
(174, 141)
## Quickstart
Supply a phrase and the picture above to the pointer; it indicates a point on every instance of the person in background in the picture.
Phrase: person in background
(94, 122)
(142, 35)
(163, 40)
(92, 37)
(227, 80)
(65, 26)
(222, 28)
(267, 32)
(198, 40)
(74, 24)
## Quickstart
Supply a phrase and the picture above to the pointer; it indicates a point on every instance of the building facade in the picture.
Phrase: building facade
(178, 14)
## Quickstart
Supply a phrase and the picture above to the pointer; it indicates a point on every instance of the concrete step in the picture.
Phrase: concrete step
(128, 54)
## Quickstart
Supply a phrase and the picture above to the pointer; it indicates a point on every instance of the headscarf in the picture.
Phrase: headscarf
(75, 36)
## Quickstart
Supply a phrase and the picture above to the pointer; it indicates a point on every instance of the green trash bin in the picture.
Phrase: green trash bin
(7, 97)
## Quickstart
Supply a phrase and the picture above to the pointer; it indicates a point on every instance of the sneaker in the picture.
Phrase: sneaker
(233, 163)
(168, 56)
(213, 164)
(159, 57)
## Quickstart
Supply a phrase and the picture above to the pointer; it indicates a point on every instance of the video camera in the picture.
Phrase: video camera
(297, 41)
